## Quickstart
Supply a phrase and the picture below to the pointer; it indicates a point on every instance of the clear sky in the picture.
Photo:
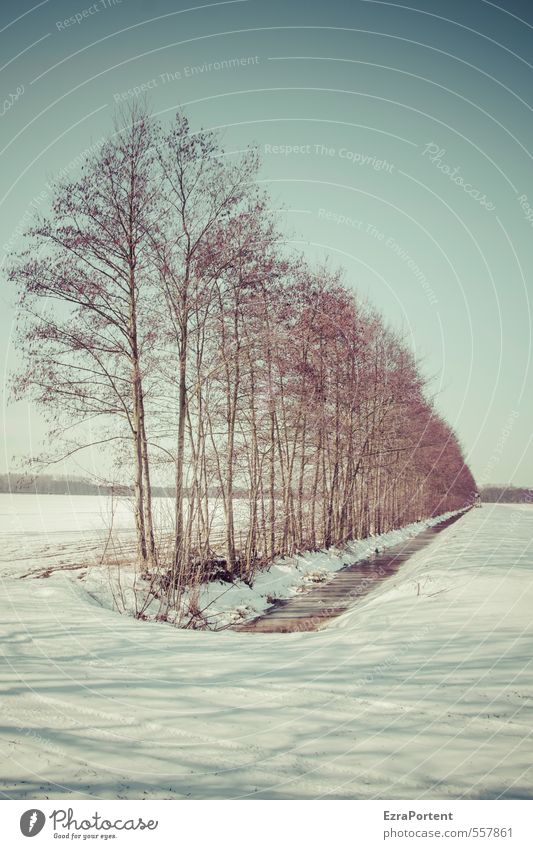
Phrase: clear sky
(396, 138)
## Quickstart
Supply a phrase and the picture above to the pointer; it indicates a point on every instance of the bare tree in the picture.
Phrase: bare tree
(85, 281)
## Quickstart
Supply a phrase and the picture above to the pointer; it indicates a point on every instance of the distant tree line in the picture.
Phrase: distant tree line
(49, 484)
(66, 485)
(158, 299)
(506, 494)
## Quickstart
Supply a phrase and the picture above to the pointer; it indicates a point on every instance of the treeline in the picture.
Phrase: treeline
(159, 301)
(49, 485)
(66, 485)
(507, 494)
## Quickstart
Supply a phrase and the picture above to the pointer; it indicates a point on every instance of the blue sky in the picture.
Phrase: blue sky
(395, 139)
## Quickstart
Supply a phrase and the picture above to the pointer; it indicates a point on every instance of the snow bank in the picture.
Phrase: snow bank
(40, 532)
(227, 604)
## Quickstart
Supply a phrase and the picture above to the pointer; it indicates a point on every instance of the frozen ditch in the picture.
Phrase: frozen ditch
(325, 602)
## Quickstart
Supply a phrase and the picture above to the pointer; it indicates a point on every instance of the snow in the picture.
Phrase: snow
(422, 690)
(72, 532)
(225, 604)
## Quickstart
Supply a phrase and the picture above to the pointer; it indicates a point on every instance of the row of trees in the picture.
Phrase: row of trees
(506, 494)
(50, 484)
(162, 314)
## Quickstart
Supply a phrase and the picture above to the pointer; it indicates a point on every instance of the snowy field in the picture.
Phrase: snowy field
(41, 534)
(423, 690)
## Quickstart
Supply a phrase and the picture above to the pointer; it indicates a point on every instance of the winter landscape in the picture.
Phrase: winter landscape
(284, 588)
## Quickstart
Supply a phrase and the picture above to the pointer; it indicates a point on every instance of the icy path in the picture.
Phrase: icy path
(425, 689)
